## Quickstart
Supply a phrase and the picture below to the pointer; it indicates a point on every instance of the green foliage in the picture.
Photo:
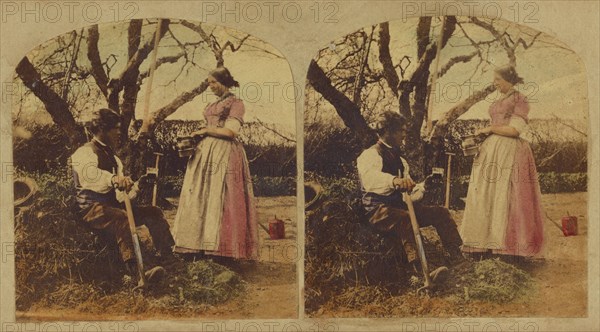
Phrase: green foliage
(342, 250)
(332, 151)
(52, 249)
(273, 157)
(274, 186)
(210, 283)
(61, 263)
(552, 182)
(265, 186)
(493, 280)
(48, 149)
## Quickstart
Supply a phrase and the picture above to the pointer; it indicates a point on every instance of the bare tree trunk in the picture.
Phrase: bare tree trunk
(423, 28)
(93, 55)
(132, 153)
(415, 146)
(345, 108)
(131, 88)
(56, 106)
(389, 71)
(163, 112)
(441, 127)
(131, 72)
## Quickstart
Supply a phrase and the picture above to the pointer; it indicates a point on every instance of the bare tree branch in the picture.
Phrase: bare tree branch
(510, 51)
(129, 74)
(163, 112)
(274, 131)
(131, 89)
(93, 55)
(213, 43)
(439, 130)
(360, 78)
(56, 106)
(562, 122)
(162, 61)
(423, 39)
(389, 71)
(457, 59)
(345, 108)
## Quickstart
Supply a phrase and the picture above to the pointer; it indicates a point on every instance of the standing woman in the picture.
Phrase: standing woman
(216, 213)
(503, 211)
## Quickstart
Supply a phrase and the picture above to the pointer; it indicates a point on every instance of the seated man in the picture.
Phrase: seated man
(101, 186)
(384, 175)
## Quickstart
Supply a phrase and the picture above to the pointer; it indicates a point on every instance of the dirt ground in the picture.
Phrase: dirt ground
(560, 278)
(272, 289)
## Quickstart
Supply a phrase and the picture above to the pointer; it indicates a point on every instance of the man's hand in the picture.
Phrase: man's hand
(122, 182)
(404, 184)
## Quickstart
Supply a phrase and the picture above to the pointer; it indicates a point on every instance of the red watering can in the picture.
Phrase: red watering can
(568, 224)
(276, 228)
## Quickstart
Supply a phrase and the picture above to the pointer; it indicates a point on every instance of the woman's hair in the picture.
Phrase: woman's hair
(388, 121)
(509, 74)
(224, 77)
(104, 119)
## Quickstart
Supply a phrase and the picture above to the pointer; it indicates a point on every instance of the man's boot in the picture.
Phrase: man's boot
(457, 259)
(437, 276)
(153, 275)
(168, 259)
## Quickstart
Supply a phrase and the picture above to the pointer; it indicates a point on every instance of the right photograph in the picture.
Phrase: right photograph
(445, 164)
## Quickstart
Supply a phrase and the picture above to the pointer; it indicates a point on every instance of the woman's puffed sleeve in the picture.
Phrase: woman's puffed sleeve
(518, 123)
(233, 124)
(521, 106)
(237, 111)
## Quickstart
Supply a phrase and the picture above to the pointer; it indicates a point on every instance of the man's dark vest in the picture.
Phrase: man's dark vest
(392, 164)
(107, 162)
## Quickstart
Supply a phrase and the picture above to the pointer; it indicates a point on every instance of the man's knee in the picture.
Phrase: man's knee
(149, 212)
(440, 213)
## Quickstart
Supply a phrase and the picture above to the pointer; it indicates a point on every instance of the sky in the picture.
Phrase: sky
(555, 79)
(265, 78)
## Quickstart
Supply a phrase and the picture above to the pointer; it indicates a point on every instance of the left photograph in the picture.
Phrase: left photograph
(154, 175)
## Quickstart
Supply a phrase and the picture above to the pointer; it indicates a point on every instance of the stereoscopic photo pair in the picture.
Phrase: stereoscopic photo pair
(444, 162)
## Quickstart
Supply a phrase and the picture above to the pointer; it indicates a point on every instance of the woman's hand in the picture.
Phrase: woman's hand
(217, 132)
(483, 131)
(200, 133)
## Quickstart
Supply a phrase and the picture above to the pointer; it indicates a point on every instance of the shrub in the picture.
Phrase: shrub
(274, 186)
(341, 249)
(60, 263)
(48, 149)
(170, 186)
(552, 182)
(332, 151)
(51, 248)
